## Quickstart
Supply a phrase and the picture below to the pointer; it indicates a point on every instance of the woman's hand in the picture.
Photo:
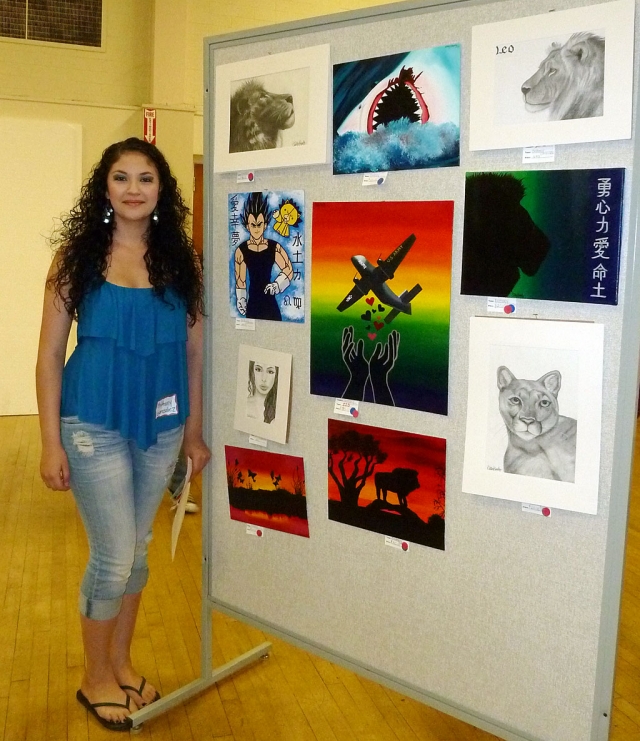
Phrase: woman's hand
(54, 468)
(195, 448)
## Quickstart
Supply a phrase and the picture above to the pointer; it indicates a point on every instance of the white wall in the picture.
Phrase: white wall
(40, 177)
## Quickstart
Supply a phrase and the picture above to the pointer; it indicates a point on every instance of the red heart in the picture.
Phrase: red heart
(371, 335)
(378, 325)
(370, 300)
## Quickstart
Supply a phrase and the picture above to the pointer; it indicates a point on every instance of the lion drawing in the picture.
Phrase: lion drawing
(257, 117)
(570, 81)
(542, 442)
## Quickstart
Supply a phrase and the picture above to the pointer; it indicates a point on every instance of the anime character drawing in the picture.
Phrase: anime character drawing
(263, 391)
(262, 267)
(287, 215)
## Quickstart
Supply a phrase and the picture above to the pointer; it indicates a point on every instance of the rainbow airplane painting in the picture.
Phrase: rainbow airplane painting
(380, 297)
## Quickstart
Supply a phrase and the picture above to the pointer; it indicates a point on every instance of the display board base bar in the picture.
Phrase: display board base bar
(199, 685)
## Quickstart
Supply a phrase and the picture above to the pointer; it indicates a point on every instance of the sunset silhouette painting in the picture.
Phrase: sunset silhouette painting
(387, 481)
(267, 489)
(419, 375)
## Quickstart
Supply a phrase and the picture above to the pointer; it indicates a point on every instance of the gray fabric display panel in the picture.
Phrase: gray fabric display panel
(513, 626)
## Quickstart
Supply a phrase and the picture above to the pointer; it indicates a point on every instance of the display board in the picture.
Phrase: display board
(509, 621)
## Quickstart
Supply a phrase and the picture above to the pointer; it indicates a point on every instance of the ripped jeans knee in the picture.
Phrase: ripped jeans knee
(118, 488)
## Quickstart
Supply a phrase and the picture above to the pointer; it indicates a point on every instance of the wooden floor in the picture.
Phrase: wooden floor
(291, 696)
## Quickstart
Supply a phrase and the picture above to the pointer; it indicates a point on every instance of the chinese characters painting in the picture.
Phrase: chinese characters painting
(543, 234)
(380, 302)
(266, 255)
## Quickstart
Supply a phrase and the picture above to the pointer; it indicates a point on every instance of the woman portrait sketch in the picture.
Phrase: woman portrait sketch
(263, 391)
(263, 388)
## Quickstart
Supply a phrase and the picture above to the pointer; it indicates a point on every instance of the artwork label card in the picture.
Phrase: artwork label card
(555, 78)
(531, 155)
(397, 112)
(263, 387)
(388, 482)
(266, 255)
(380, 302)
(558, 239)
(267, 490)
(534, 412)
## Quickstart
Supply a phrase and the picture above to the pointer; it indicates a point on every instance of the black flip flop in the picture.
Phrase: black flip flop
(139, 691)
(112, 725)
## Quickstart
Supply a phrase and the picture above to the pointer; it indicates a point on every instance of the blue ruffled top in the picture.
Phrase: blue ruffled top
(128, 371)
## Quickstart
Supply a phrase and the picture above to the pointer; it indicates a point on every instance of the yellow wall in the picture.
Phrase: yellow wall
(31, 200)
(117, 74)
(100, 89)
(152, 55)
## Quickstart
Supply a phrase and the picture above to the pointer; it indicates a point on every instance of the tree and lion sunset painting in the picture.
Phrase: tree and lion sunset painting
(387, 481)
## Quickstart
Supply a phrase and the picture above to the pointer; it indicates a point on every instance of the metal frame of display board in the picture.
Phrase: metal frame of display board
(621, 451)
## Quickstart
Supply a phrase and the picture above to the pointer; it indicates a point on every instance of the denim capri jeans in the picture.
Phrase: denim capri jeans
(118, 488)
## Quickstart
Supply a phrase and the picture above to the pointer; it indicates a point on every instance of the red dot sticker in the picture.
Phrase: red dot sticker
(354, 412)
(546, 511)
(259, 533)
(250, 177)
(509, 309)
(405, 546)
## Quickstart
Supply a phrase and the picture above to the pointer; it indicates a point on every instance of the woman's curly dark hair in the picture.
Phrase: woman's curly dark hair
(83, 241)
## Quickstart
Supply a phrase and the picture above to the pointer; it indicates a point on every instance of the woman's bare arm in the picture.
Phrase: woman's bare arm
(194, 444)
(54, 333)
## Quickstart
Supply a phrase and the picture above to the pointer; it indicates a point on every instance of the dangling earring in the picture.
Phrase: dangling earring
(155, 215)
(108, 213)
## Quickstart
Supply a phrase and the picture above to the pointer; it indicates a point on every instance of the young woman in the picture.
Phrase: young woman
(113, 419)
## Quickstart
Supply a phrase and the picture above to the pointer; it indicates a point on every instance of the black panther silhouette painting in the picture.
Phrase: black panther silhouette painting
(500, 237)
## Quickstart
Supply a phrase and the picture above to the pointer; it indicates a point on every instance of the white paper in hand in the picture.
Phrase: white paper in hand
(180, 509)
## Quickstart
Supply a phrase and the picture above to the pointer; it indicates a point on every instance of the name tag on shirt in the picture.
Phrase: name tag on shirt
(167, 406)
